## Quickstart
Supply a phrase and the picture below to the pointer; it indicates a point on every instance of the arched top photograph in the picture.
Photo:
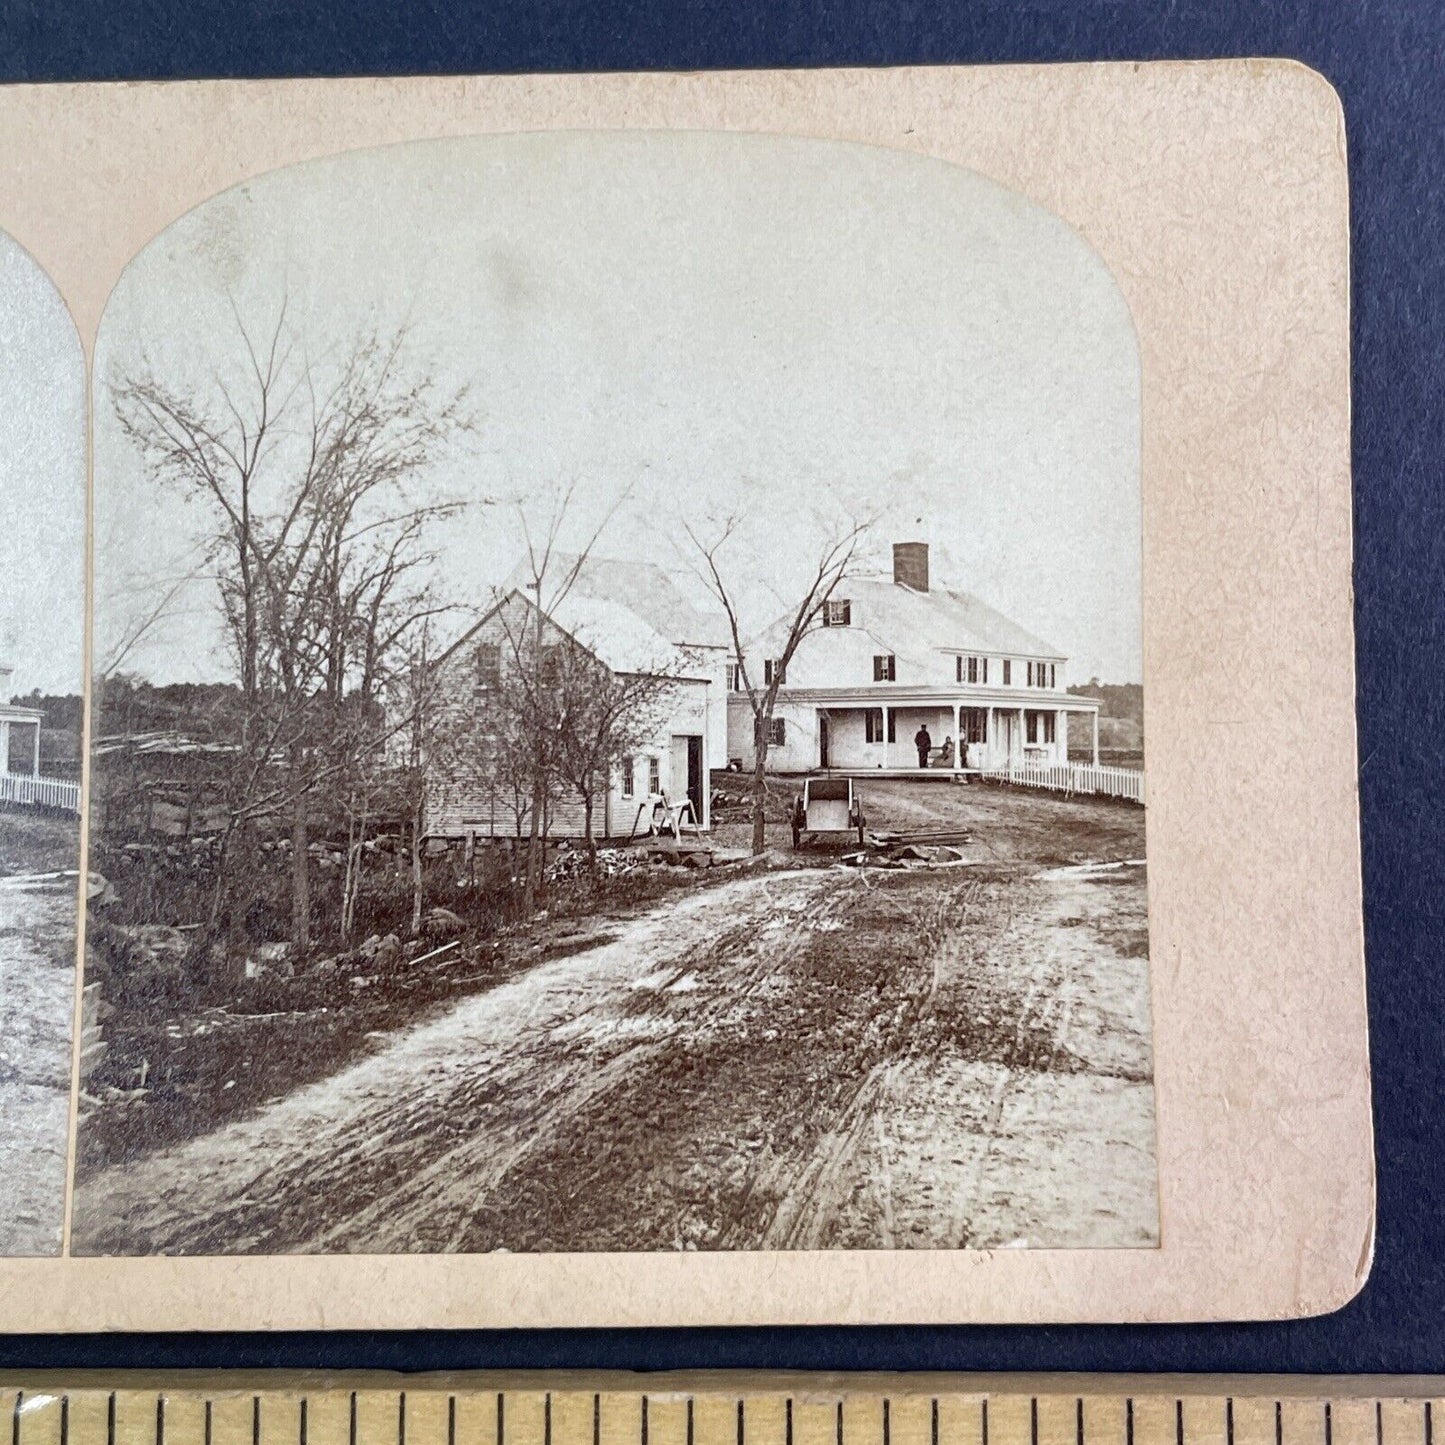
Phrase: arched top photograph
(712, 560)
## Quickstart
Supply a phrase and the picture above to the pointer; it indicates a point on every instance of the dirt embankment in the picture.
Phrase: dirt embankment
(802, 1059)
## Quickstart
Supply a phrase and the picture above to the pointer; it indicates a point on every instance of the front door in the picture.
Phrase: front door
(687, 763)
(823, 740)
(695, 778)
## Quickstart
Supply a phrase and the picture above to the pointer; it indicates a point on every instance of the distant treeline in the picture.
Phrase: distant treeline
(127, 704)
(63, 711)
(1120, 699)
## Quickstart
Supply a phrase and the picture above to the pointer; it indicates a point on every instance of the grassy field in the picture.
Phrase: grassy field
(34, 842)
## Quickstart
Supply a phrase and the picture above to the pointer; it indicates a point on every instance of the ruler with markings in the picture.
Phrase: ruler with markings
(751, 1409)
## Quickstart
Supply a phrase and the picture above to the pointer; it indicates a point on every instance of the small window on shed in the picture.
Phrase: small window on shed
(776, 731)
(629, 781)
(654, 775)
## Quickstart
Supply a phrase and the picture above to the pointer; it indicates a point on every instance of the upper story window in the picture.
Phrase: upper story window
(488, 663)
(838, 612)
(735, 677)
(1041, 674)
(1008, 672)
(885, 667)
(654, 775)
(774, 671)
(628, 781)
(972, 669)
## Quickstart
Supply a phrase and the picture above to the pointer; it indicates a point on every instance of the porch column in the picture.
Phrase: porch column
(1061, 736)
(1094, 716)
(35, 771)
(957, 738)
(887, 733)
(1023, 734)
(4, 747)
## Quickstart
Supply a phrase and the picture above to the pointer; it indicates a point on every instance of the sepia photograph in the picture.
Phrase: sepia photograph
(617, 715)
(42, 671)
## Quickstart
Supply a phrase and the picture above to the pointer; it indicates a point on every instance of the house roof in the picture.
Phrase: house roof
(669, 603)
(618, 636)
(613, 634)
(939, 620)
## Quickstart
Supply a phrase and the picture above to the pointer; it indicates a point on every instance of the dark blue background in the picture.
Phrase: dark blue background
(1388, 62)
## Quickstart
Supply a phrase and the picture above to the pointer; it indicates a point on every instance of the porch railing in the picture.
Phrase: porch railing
(25, 792)
(1073, 778)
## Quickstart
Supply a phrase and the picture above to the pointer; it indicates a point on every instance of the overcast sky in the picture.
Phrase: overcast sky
(678, 320)
(42, 481)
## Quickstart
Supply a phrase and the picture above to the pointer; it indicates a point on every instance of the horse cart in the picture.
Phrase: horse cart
(827, 805)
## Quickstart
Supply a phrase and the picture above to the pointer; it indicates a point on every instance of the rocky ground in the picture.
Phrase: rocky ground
(38, 905)
(797, 1057)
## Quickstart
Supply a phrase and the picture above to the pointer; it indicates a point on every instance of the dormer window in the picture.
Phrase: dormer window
(972, 669)
(885, 667)
(838, 612)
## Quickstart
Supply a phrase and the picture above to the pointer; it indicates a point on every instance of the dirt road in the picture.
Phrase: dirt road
(37, 997)
(802, 1059)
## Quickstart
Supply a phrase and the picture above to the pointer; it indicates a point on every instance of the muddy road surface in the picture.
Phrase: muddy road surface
(37, 1000)
(826, 1057)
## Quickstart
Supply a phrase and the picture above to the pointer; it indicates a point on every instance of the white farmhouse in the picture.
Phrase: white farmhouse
(890, 658)
(634, 618)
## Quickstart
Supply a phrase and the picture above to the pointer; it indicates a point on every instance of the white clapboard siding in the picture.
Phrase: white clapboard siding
(56, 793)
(1097, 781)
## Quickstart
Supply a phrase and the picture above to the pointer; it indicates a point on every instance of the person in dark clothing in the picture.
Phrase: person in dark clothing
(924, 744)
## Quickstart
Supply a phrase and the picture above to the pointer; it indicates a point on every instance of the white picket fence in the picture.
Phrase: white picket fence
(1073, 778)
(24, 792)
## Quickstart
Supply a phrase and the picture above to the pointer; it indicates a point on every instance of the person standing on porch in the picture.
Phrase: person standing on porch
(924, 744)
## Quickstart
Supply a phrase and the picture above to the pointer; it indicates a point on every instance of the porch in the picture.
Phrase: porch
(20, 741)
(950, 736)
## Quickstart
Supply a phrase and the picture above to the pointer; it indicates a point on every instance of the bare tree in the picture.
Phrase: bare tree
(551, 575)
(833, 562)
(602, 717)
(311, 475)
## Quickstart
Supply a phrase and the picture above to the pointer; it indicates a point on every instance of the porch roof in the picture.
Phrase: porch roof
(9, 713)
(887, 694)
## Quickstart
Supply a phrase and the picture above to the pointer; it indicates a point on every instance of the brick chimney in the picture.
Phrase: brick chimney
(910, 565)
